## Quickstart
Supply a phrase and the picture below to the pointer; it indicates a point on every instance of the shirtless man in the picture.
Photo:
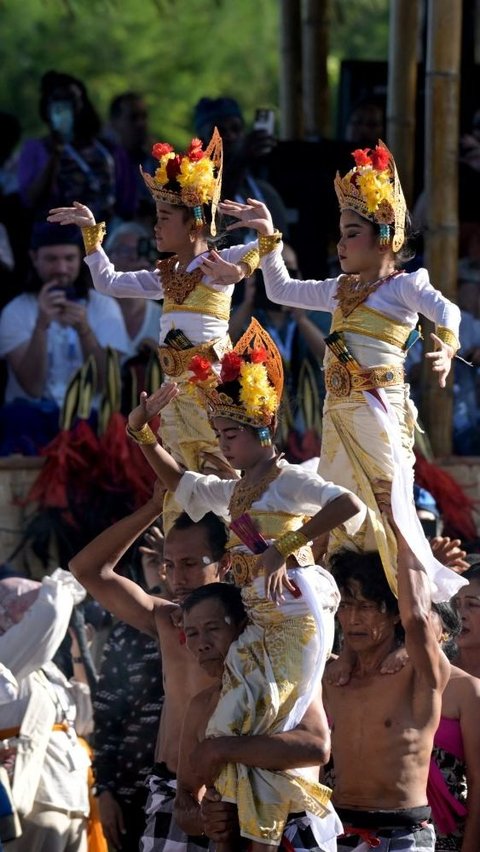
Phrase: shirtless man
(213, 617)
(194, 555)
(382, 733)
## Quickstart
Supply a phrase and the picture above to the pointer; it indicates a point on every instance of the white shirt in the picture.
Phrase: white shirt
(198, 327)
(402, 298)
(296, 491)
(17, 323)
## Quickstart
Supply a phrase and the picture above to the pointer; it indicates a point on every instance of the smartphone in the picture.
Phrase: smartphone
(265, 120)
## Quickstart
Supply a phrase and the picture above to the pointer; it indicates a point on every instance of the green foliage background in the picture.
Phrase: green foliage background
(173, 51)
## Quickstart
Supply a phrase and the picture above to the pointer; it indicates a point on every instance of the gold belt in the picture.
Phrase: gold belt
(340, 382)
(174, 362)
(245, 567)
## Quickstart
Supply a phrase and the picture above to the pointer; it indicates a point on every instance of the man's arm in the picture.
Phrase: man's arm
(414, 603)
(95, 566)
(190, 786)
(29, 360)
(306, 745)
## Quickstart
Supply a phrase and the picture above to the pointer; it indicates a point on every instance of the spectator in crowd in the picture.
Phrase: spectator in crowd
(366, 122)
(242, 152)
(70, 162)
(467, 602)
(13, 219)
(127, 706)
(128, 130)
(454, 777)
(295, 331)
(194, 555)
(390, 727)
(39, 727)
(130, 249)
(47, 333)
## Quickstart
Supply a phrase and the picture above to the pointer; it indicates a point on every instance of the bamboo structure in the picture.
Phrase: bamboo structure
(291, 118)
(441, 186)
(402, 89)
(315, 39)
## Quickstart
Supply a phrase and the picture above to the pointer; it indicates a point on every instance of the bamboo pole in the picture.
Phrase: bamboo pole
(402, 89)
(315, 40)
(291, 118)
(441, 186)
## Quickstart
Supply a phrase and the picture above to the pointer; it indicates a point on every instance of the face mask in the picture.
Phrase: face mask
(61, 118)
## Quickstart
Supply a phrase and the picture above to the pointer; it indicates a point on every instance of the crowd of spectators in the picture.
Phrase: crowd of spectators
(56, 707)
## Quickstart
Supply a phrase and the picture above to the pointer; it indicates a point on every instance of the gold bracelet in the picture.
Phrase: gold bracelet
(448, 337)
(142, 436)
(290, 542)
(93, 236)
(251, 259)
(268, 242)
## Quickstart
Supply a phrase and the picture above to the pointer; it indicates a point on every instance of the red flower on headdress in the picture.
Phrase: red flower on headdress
(379, 158)
(161, 148)
(231, 363)
(201, 368)
(195, 151)
(173, 167)
(258, 355)
(361, 157)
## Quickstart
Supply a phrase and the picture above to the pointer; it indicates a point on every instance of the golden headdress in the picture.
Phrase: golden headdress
(250, 386)
(373, 190)
(191, 179)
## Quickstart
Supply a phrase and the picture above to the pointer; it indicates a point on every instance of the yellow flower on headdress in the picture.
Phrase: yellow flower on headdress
(375, 187)
(161, 172)
(256, 393)
(199, 175)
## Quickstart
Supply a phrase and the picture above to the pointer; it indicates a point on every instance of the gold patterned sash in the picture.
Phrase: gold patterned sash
(201, 300)
(372, 323)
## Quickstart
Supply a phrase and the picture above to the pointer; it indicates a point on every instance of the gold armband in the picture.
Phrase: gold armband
(290, 542)
(251, 259)
(93, 236)
(268, 242)
(142, 436)
(448, 337)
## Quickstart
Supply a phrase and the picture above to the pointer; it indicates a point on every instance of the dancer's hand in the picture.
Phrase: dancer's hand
(151, 405)
(275, 574)
(254, 214)
(220, 271)
(449, 552)
(441, 359)
(394, 661)
(339, 671)
(79, 214)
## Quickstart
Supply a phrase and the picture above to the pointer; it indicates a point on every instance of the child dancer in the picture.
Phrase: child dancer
(275, 667)
(186, 189)
(367, 440)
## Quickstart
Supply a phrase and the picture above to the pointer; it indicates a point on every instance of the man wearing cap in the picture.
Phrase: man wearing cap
(243, 154)
(47, 333)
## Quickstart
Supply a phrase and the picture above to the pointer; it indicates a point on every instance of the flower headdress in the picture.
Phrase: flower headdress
(251, 380)
(373, 190)
(190, 179)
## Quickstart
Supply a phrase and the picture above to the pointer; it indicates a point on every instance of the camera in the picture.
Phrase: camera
(265, 121)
